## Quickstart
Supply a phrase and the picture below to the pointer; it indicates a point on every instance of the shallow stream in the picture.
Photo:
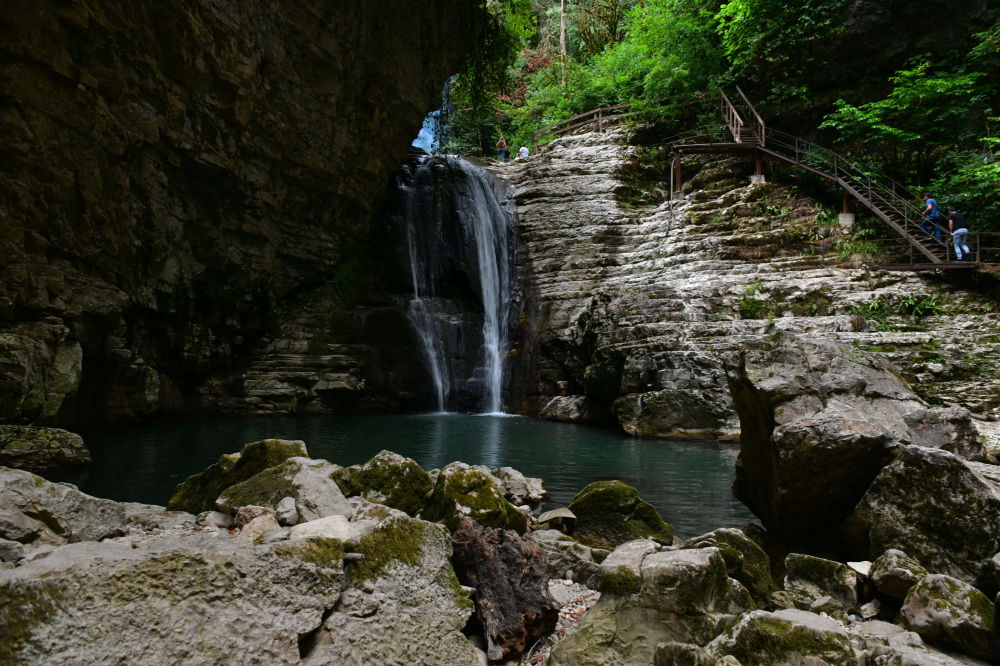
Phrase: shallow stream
(687, 481)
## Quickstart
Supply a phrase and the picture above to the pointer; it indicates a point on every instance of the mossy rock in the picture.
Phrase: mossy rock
(462, 491)
(389, 479)
(745, 561)
(610, 513)
(396, 540)
(809, 578)
(199, 492)
(785, 637)
(950, 614)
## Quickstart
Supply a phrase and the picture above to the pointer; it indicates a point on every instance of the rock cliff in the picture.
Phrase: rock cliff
(632, 299)
(174, 176)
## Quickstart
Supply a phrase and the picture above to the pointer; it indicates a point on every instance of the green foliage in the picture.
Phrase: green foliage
(884, 309)
(775, 41)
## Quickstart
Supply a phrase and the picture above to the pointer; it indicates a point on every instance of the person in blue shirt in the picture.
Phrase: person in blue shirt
(932, 218)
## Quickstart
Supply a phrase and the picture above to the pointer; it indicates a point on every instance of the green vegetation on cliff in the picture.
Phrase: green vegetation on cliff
(897, 88)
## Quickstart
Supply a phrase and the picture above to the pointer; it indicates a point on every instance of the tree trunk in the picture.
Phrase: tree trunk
(512, 588)
(562, 45)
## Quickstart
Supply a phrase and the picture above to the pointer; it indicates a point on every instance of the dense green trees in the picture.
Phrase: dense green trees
(909, 88)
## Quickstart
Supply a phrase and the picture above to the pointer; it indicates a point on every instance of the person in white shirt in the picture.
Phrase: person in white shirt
(523, 152)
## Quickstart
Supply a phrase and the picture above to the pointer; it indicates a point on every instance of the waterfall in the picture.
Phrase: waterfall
(458, 229)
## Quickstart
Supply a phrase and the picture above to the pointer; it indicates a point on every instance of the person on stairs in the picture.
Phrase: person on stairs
(959, 233)
(932, 218)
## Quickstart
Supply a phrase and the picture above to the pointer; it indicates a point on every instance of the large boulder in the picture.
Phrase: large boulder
(894, 573)
(192, 599)
(49, 452)
(308, 482)
(402, 603)
(567, 558)
(819, 420)
(745, 560)
(512, 597)
(936, 508)
(610, 513)
(199, 492)
(462, 491)
(654, 596)
(950, 614)
(40, 366)
(787, 637)
(34, 511)
(389, 479)
(809, 579)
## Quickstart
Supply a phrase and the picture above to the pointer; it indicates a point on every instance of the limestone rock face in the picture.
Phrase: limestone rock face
(819, 421)
(199, 492)
(950, 614)
(568, 558)
(936, 508)
(130, 603)
(682, 596)
(632, 300)
(40, 366)
(36, 512)
(462, 491)
(49, 452)
(402, 604)
(610, 513)
(389, 479)
(172, 175)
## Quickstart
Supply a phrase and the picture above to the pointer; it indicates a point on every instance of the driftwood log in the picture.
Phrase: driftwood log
(512, 594)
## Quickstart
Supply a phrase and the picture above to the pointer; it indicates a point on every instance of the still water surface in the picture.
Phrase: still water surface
(688, 482)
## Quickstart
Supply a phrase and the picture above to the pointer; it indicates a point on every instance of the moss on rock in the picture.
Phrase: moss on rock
(745, 560)
(620, 580)
(22, 609)
(785, 637)
(396, 540)
(199, 492)
(390, 479)
(462, 491)
(610, 513)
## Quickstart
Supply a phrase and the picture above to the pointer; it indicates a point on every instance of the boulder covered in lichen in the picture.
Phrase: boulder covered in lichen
(610, 513)
(49, 452)
(172, 600)
(308, 482)
(745, 560)
(819, 420)
(935, 507)
(199, 492)
(462, 491)
(389, 479)
(787, 637)
(651, 596)
(894, 573)
(809, 579)
(402, 603)
(950, 614)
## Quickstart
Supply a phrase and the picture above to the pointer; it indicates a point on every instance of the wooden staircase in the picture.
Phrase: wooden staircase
(891, 203)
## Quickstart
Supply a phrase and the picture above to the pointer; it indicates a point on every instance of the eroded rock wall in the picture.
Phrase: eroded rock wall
(173, 172)
(629, 308)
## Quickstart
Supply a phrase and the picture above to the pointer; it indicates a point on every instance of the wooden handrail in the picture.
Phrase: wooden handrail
(588, 118)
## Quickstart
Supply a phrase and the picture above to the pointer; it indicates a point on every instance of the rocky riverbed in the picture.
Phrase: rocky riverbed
(385, 562)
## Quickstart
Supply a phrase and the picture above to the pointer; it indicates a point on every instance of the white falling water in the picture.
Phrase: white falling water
(484, 228)
(489, 225)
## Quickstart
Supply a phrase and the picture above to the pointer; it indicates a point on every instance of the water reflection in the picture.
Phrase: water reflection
(688, 482)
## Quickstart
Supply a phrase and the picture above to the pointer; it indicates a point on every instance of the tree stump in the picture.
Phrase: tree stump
(512, 594)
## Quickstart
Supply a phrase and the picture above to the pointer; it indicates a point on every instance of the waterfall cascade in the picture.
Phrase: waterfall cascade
(458, 226)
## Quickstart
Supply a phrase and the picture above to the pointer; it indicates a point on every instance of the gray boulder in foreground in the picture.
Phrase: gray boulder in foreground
(196, 599)
(43, 451)
(949, 614)
(36, 512)
(819, 421)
